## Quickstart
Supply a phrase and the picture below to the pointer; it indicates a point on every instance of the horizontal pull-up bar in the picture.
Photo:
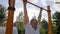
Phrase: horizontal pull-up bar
(36, 5)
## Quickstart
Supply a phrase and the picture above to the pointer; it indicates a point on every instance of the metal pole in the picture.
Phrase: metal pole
(9, 25)
(49, 20)
(36, 5)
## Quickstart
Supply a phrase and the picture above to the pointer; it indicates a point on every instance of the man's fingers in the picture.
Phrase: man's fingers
(24, 1)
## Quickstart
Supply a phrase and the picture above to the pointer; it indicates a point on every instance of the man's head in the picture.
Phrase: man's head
(34, 22)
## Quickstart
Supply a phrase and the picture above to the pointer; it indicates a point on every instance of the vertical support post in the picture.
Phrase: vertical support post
(49, 20)
(9, 25)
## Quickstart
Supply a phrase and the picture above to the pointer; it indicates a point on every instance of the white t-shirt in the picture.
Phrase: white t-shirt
(29, 29)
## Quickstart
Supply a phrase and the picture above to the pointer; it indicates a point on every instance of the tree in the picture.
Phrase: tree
(19, 23)
(56, 21)
(56, 18)
(44, 26)
(20, 27)
(2, 14)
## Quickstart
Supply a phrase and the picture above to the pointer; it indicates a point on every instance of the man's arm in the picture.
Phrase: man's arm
(26, 19)
(39, 17)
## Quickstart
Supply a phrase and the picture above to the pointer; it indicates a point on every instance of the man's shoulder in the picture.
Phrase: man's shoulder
(28, 24)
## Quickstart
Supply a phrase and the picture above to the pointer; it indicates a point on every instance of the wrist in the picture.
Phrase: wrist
(24, 5)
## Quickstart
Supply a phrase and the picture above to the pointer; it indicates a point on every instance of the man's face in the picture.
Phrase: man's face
(34, 23)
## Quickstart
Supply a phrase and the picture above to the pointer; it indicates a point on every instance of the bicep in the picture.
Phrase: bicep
(26, 20)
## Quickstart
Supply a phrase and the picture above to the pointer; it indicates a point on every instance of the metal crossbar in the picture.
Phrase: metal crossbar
(36, 5)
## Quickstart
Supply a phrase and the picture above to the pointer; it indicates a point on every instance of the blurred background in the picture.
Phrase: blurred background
(18, 27)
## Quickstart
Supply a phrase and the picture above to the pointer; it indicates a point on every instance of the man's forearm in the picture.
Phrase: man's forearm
(25, 11)
(25, 15)
(39, 17)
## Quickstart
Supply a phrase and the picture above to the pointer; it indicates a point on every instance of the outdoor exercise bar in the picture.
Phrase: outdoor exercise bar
(36, 5)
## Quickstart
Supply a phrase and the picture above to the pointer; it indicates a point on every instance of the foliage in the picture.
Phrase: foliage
(44, 29)
(19, 23)
(20, 27)
(56, 18)
(56, 21)
(2, 14)
(44, 24)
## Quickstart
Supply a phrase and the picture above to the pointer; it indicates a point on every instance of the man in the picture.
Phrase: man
(33, 26)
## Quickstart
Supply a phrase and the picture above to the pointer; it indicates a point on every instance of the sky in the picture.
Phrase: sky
(32, 10)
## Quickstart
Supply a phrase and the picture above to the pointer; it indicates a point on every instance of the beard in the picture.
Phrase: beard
(35, 27)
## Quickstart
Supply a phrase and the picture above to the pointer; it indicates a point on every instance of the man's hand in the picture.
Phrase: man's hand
(24, 2)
